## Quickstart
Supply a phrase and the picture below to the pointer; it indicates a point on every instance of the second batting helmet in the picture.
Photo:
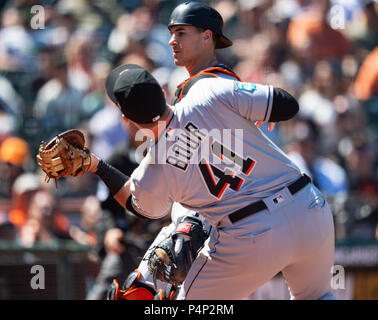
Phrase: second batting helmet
(198, 14)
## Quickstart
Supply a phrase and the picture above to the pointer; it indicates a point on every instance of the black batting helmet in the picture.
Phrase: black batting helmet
(201, 15)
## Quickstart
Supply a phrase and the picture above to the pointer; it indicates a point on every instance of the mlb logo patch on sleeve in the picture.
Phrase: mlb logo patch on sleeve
(246, 86)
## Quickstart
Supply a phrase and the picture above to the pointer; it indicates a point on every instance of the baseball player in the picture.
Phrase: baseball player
(196, 32)
(208, 155)
(265, 216)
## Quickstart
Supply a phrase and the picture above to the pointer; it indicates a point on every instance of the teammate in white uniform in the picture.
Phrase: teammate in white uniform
(208, 155)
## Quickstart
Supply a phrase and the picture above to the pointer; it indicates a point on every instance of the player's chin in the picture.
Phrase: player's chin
(178, 61)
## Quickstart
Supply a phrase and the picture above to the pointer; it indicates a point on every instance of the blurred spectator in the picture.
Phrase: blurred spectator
(16, 44)
(11, 106)
(14, 154)
(85, 233)
(118, 40)
(10, 97)
(24, 187)
(316, 102)
(366, 84)
(362, 166)
(59, 24)
(177, 76)
(312, 38)
(94, 100)
(326, 174)
(44, 224)
(79, 54)
(136, 58)
(11, 221)
(162, 75)
(288, 9)
(45, 65)
(256, 67)
(139, 33)
(363, 29)
(252, 18)
(90, 15)
(58, 104)
(7, 120)
(365, 228)
(8, 231)
(107, 130)
(366, 88)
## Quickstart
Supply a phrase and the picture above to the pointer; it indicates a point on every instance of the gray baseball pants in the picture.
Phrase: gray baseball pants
(294, 236)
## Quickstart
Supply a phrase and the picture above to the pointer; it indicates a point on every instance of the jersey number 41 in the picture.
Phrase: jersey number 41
(226, 178)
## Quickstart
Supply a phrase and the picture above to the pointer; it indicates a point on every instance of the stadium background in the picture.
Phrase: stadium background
(54, 57)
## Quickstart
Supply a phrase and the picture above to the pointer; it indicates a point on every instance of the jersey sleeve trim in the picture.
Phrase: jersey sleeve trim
(139, 212)
(130, 207)
(269, 103)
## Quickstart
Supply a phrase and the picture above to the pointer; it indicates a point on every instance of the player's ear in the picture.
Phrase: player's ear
(207, 34)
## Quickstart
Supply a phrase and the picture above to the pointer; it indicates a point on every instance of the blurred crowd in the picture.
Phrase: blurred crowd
(55, 56)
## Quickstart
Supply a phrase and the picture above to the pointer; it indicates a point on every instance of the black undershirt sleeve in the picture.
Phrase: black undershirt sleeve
(284, 107)
(112, 177)
(115, 180)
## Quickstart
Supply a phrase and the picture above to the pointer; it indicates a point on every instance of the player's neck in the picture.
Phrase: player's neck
(153, 131)
(201, 64)
(163, 123)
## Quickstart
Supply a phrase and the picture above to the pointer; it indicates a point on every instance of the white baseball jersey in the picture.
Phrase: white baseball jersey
(212, 158)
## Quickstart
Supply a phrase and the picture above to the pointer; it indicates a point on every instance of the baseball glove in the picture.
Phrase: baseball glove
(172, 258)
(65, 155)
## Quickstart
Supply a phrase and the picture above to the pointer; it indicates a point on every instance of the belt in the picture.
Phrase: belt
(260, 205)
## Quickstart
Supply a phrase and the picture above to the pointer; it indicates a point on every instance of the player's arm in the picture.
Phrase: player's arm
(284, 107)
(257, 102)
(124, 191)
(117, 182)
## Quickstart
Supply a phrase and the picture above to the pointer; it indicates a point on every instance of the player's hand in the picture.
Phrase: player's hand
(270, 127)
(112, 241)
